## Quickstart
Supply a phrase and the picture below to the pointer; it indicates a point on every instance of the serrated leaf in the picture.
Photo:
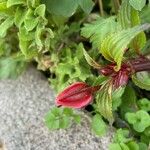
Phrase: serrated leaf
(129, 17)
(19, 16)
(90, 61)
(86, 5)
(137, 4)
(14, 2)
(25, 35)
(30, 21)
(98, 125)
(4, 26)
(30, 24)
(142, 80)
(99, 29)
(113, 46)
(40, 10)
(104, 101)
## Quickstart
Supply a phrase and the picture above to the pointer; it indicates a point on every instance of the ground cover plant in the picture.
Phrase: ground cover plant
(95, 54)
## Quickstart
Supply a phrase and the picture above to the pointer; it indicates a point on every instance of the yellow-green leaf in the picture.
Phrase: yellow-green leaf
(104, 101)
(114, 45)
(90, 61)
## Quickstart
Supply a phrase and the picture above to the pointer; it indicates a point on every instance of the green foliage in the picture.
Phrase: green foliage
(140, 120)
(54, 33)
(104, 101)
(144, 14)
(76, 71)
(114, 45)
(128, 17)
(11, 67)
(117, 98)
(144, 104)
(5, 26)
(122, 141)
(137, 4)
(98, 125)
(68, 7)
(14, 2)
(90, 61)
(99, 29)
(60, 118)
(128, 101)
(142, 80)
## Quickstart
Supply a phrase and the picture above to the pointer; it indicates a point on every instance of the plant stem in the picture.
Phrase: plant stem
(141, 65)
(101, 7)
(116, 4)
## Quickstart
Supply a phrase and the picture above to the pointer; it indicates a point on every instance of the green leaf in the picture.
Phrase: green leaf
(86, 5)
(14, 2)
(40, 40)
(140, 120)
(90, 61)
(65, 122)
(4, 26)
(144, 14)
(11, 67)
(128, 101)
(67, 8)
(115, 146)
(98, 125)
(99, 29)
(33, 3)
(77, 70)
(60, 118)
(129, 17)
(19, 16)
(116, 98)
(142, 80)
(114, 45)
(30, 21)
(104, 101)
(137, 4)
(77, 118)
(25, 35)
(121, 136)
(64, 7)
(40, 11)
(142, 146)
(144, 104)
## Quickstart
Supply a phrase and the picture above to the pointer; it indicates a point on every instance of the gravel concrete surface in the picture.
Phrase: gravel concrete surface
(23, 104)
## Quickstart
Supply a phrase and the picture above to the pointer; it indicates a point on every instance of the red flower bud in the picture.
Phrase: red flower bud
(76, 95)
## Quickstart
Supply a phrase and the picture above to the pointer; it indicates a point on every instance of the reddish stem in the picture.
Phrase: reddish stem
(141, 65)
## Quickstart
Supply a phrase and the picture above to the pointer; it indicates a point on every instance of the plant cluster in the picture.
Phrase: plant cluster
(95, 54)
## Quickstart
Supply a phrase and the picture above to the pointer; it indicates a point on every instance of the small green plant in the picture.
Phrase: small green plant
(140, 120)
(94, 53)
